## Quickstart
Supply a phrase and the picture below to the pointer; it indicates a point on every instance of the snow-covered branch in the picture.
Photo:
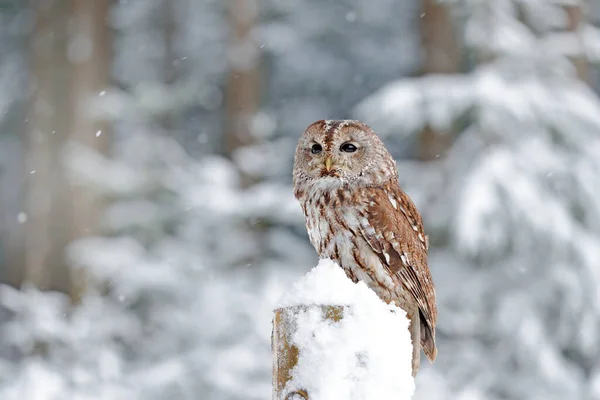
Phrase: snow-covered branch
(334, 339)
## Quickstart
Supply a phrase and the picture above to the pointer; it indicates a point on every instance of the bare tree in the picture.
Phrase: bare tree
(12, 158)
(242, 97)
(48, 201)
(69, 66)
(89, 54)
(442, 55)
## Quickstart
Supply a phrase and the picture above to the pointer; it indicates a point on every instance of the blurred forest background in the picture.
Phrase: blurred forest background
(147, 222)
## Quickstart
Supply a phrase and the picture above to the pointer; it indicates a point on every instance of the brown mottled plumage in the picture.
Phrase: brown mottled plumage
(357, 214)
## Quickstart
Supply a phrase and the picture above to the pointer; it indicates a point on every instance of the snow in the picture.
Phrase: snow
(366, 355)
(511, 209)
(188, 266)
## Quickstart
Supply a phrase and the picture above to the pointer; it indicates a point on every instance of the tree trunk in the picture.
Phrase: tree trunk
(242, 97)
(170, 57)
(90, 76)
(12, 164)
(48, 202)
(69, 67)
(11, 208)
(576, 21)
(442, 55)
(302, 346)
(439, 39)
(285, 353)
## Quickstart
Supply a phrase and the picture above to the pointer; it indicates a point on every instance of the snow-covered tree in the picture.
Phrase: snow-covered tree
(512, 209)
(177, 308)
(178, 303)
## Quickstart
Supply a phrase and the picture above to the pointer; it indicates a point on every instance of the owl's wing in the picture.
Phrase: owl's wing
(393, 228)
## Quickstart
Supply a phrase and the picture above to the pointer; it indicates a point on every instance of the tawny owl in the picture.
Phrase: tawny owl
(357, 214)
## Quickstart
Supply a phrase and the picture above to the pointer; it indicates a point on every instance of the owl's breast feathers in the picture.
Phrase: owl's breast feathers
(367, 228)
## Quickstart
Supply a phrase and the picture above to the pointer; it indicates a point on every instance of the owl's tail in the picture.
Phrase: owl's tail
(428, 340)
(415, 335)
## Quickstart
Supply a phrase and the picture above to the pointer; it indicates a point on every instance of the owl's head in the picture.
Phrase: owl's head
(342, 151)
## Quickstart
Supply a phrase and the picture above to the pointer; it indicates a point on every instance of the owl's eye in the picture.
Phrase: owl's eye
(348, 148)
(316, 148)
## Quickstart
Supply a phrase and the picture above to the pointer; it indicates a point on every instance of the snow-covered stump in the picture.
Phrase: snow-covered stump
(334, 339)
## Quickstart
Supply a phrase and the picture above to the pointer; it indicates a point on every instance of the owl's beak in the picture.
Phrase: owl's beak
(328, 164)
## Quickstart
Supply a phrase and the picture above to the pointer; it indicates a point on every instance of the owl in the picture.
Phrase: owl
(357, 215)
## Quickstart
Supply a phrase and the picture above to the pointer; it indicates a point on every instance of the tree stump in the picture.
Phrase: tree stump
(285, 354)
